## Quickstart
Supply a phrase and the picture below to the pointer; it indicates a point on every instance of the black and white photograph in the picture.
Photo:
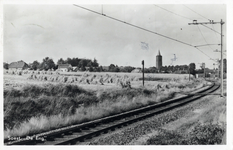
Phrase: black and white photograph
(98, 74)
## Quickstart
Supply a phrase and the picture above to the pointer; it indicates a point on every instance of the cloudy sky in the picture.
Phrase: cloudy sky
(33, 32)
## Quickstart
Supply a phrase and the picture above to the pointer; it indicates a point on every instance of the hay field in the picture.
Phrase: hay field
(36, 102)
(87, 80)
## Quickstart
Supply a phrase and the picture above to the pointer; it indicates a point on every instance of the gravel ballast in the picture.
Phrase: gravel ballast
(177, 123)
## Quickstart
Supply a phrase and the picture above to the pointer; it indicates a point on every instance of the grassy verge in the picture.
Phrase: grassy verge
(34, 109)
(207, 134)
(203, 124)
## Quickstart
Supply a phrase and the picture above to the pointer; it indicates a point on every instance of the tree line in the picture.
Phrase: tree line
(48, 63)
(83, 64)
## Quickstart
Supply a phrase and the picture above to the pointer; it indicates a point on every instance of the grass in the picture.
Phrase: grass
(36, 108)
(203, 124)
(207, 134)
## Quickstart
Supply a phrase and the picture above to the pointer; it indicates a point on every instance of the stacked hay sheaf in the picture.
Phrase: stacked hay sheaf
(118, 80)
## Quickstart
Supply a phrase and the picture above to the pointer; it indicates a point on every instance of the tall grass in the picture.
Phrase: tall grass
(40, 108)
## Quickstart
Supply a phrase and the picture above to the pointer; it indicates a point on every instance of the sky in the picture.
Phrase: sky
(33, 32)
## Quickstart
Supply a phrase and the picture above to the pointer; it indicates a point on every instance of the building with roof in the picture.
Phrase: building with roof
(19, 65)
(159, 62)
(64, 67)
(137, 70)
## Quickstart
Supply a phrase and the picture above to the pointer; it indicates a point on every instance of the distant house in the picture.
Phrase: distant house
(105, 68)
(64, 67)
(19, 65)
(136, 71)
(74, 68)
(87, 69)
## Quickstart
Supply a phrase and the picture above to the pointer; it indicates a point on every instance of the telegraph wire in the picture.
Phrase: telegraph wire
(142, 28)
(173, 12)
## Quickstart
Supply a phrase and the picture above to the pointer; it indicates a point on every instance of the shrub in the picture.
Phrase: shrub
(166, 138)
(206, 134)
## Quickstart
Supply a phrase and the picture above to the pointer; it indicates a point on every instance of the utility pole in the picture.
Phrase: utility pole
(203, 66)
(221, 60)
(214, 70)
(143, 72)
(221, 23)
(189, 73)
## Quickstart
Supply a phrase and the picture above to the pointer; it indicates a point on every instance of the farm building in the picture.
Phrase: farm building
(105, 68)
(136, 71)
(64, 67)
(20, 65)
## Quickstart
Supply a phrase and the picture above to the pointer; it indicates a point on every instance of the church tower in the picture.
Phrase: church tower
(159, 61)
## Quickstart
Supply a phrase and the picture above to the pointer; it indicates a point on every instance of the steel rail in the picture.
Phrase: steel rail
(80, 132)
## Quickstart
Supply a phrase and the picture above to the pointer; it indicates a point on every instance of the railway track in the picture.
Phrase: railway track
(78, 134)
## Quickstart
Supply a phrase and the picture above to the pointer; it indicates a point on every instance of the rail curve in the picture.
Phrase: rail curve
(76, 134)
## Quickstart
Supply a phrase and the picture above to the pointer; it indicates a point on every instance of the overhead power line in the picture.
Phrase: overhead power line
(211, 29)
(204, 38)
(173, 13)
(221, 23)
(196, 12)
(134, 26)
(141, 28)
(206, 45)
(216, 34)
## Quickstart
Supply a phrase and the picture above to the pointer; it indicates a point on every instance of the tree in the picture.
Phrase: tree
(5, 65)
(75, 61)
(111, 67)
(153, 70)
(68, 61)
(60, 61)
(116, 69)
(91, 69)
(89, 64)
(82, 63)
(47, 64)
(35, 65)
(99, 69)
(126, 69)
(192, 68)
(95, 63)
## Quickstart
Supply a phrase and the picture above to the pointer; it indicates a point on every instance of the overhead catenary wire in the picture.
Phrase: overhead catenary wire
(135, 26)
(173, 12)
(141, 28)
(204, 25)
(196, 12)
(204, 38)
(205, 54)
(216, 34)
(211, 29)
(206, 45)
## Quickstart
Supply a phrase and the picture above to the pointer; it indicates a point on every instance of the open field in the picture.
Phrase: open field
(32, 106)
(87, 80)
